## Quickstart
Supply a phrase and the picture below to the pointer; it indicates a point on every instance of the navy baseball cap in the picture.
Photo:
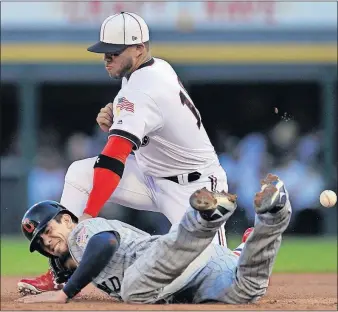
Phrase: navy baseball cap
(120, 31)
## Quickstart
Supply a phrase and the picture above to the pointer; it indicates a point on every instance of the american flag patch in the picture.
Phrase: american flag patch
(82, 237)
(124, 104)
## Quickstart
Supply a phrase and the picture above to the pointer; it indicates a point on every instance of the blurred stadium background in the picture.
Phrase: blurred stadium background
(262, 74)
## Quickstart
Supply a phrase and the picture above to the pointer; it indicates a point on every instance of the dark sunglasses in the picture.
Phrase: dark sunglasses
(116, 54)
(111, 55)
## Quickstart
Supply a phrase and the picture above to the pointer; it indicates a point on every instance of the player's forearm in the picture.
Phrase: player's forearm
(101, 247)
(104, 184)
(108, 171)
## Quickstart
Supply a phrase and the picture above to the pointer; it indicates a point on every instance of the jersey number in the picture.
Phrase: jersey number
(191, 106)
(114, 285)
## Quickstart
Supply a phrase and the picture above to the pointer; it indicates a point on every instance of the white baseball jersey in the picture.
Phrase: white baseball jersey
(154, 112)
(132, 241)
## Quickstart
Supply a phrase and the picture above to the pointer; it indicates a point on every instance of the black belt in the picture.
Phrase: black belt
(193, 176)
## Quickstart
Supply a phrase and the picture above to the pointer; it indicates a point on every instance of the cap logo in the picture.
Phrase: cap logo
(28, 225)
(133, 38)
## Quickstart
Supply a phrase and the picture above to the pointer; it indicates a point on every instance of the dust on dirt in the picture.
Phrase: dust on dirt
(286, 292)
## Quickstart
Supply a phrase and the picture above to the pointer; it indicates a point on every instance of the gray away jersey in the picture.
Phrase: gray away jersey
(132, 241)
(167, 274)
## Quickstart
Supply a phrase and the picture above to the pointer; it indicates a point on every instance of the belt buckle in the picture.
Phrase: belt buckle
(183, 178)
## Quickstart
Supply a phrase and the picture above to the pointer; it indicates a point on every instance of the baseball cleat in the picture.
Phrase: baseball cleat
(272, 196)
(213, 205)
(37, 285)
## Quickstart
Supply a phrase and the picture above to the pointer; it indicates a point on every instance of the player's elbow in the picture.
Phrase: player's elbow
(105, 244)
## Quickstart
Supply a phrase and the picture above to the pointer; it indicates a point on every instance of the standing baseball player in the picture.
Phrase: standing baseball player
(153, 116)
(138, 268)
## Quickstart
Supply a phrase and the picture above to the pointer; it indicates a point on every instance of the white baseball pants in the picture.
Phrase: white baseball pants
(139, 191)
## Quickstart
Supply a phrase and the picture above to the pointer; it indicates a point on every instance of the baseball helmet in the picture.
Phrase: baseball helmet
(35, 221)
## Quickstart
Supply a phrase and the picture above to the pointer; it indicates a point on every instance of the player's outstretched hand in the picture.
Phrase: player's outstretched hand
(105, 117)
(48, 296)
(84, 217)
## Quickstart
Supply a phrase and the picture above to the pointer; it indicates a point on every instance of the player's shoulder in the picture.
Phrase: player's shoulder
(148, 77)
(89, 227)
(101, 224)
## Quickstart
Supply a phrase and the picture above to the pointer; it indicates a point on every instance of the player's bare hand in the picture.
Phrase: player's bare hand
(84, 217)
(48, 296)
(105, 117)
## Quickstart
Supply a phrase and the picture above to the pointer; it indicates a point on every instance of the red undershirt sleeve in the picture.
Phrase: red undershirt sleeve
(106, 180)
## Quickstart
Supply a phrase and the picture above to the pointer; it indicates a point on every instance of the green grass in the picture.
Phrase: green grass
(16, 260)
(299, 255)
(312, 255)
(304, 255)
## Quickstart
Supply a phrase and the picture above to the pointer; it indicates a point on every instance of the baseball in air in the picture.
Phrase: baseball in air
(328, 198)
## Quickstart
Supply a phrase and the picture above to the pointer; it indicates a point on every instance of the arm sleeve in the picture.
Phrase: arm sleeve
(100, 249)
(107, 178)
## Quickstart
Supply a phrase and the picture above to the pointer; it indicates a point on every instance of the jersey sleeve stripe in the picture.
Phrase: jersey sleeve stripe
(127, 135)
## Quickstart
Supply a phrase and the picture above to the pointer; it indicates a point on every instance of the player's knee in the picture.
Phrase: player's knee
(126, 289)
(132, 291)
(80, 172)
(137, 297)
(74, 171)
(129, 296)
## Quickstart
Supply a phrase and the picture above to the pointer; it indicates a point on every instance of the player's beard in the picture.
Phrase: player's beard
(126, 67)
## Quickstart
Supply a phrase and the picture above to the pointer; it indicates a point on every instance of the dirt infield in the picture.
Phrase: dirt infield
(286, 292)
